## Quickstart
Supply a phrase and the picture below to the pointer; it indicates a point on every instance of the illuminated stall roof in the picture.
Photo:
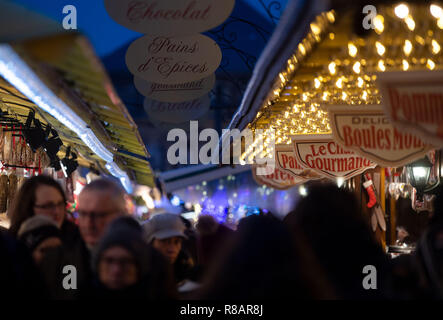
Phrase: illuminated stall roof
(67, 65)
(335, 62)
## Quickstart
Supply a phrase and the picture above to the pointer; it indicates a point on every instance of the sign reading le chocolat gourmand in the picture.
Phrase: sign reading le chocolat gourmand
(169, 17)
(413, 101)
(171, 60)
(367, 131)
(327, 158)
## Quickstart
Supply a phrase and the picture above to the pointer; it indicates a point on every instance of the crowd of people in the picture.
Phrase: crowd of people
(318, 251)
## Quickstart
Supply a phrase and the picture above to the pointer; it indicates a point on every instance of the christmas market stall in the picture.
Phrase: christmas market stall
(60, 112)
(357, 99)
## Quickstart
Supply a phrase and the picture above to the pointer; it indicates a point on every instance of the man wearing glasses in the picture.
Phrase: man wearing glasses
(99, 203)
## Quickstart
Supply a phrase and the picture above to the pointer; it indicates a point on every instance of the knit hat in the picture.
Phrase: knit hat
(163, 226)
(124, 232)
(36, 229)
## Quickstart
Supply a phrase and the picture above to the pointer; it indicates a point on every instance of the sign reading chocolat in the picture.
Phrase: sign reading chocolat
(169, 17)
(287, 162)
(173, 60)
(327, 158)
(175, 92)
(367, 131)
(178, 112)
(278, 179)
(413, 101)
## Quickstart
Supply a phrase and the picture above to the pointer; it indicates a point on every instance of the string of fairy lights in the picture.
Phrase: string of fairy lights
(334, 66)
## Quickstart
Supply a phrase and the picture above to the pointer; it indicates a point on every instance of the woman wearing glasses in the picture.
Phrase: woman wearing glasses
(42, 195)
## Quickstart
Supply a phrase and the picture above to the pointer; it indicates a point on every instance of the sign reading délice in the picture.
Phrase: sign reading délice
(413, 101)
(287, 162)
(327, 158)
(173, 60)
(277, 179)
(367, 131)
(175, 92)
(169, 17)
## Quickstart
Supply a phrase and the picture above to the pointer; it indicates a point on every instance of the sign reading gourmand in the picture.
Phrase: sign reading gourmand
(173, 60)
(367, 131)
(327, 158)
(277, 179)
(175, 92)
(413, 101)
(169, 17)
(178, 112)
(287, 162)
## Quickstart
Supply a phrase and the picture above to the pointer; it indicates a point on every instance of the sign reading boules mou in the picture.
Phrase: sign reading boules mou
(277, 179)
(179, 112)
(326, 157)
(169, 17)
(175, 92)
(413, 101)
(287, 162)
(367, 131)
(173, 60)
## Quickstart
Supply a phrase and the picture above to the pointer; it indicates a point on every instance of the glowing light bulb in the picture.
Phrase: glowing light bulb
(436, 11)
(339, 83)
(286, 114)
(430, 64)
(381, 65)
(331, 68)
(313, 109)
(410, 22)
(295, 108)
(356, 67)
(315, 29)
(305, 97)
(325, 96)
(364, 95)
(440, 23)
(302, 49)
(317, 83)
(380, 48)
(405, 65)
(282, 78)
(352, 49)
(378, 22)
(344, 95)
(401, 11)
(407, 47)
(435, 47)
(360, 82)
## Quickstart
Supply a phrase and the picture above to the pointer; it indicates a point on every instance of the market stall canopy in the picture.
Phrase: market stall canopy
(326, 57)
(67, 65)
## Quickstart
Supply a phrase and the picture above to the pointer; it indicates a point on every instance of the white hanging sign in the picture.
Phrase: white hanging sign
(173, 60)
(176, 112)
(169, 17)
(175, 92)
(367, 131)
(326, 157)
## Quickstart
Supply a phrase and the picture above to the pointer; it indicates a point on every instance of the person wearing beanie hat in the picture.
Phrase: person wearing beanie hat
(39, 233)
(124, 265)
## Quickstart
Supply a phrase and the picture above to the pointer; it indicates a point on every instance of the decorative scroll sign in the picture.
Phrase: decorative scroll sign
(413, 101)
(278, 179)
(367, 131)
(173, 60)
(287, 162)
(169, 17)
(179, 112)
(326, 157)
(175, 92)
